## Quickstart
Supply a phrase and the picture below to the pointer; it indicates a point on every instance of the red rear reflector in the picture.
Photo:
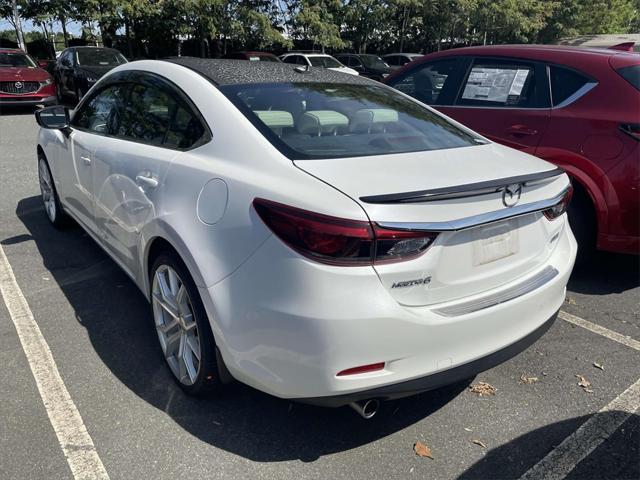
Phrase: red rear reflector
(362, 369)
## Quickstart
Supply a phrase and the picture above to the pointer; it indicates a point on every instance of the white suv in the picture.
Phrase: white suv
(316, 60)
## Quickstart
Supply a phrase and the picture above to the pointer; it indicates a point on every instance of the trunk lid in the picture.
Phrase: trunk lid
(452, 190)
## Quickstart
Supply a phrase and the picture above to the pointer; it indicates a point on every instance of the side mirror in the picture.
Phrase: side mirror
(55, 118)
(359, 68)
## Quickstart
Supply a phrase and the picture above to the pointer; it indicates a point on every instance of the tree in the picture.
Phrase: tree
(318, 21)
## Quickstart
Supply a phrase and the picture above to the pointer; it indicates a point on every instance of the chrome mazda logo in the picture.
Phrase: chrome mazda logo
(511, 194)
(19, 85)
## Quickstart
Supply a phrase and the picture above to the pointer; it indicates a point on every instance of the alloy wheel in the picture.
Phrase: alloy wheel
(46, 189)
(175, 324)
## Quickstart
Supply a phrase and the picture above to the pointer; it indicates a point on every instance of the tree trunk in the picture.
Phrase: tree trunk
(63, 23)
(18, 26)
(127, 32)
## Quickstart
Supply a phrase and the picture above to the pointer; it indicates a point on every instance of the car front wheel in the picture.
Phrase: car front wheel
(50, 198)
(182, 326)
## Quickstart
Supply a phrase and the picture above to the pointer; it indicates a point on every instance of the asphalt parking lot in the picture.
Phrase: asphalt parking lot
(99, 330)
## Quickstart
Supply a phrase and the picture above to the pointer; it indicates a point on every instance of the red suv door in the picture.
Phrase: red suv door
(506, 100)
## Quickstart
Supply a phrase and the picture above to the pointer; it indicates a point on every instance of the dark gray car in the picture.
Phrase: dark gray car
(78, 68)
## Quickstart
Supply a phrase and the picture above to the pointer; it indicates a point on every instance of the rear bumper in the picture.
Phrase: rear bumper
(436, 380)
(286, 325)
(27, 101)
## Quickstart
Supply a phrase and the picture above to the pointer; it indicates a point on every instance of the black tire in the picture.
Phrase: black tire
(582, 220)
(50, 199)
(207, 378)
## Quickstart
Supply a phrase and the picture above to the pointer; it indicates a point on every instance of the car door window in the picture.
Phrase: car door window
(392, 60)
(147, 114)
(566, 85)
(434, 83)
(102, 114)
(355, 62)
(290, 59)
(503, 83)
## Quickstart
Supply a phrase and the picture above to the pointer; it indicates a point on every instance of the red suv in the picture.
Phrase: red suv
(578, 108)
(22, 81)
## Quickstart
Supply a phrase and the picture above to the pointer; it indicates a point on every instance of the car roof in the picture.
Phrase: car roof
(533, 50)
(234, 72)
(90, 47)
(11, 50)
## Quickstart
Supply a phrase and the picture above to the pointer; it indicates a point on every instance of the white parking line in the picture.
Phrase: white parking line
(564, 458)
(605, 332)
(67, 423)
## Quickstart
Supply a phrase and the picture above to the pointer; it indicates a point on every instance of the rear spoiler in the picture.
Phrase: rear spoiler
(463, 191)
(625, 46)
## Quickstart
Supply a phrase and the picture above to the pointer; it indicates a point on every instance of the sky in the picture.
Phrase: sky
(73, 27)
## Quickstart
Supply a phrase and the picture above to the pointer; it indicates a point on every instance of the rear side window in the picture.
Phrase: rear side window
(430, 82)
(566, 84)
(318, 120)
(631, 74)
(503, 83)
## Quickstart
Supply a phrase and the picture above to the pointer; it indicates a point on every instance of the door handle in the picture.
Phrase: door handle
(521, 130)
(146, 181)
(86, 160)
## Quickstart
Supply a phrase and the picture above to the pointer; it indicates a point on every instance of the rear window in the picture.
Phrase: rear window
(318, 120)
(631, 74)
(566, 83)
(326, 62)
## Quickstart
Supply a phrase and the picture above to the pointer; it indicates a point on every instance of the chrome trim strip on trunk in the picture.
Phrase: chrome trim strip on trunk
(475, 220)
(511, 293)
(462, 191)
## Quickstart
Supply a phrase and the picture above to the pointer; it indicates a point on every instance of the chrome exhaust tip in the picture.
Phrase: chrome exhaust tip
(366, 408)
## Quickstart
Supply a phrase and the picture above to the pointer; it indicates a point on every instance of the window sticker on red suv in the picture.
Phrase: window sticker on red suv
(491, 84)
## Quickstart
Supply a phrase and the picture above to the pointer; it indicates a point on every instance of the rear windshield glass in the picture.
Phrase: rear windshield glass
(326, 62)
(373, 61)
(97, 57)
(320, 120)
(263, 58)
(16, 60)
(631, 74)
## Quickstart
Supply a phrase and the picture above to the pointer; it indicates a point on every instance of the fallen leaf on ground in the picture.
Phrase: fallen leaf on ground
(588, 390)
(571, 301)
(482, 388)
(478, 442)
(598, 365)
(584, 383)
(528, 380)
(468, 429)
(422, 450)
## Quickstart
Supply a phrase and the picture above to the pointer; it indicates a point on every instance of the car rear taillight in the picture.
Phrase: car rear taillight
(398, 245)
(631, 129)
(560, 207)
(337, 241)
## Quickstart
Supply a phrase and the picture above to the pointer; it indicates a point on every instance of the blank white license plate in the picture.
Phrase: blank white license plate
(494, 242)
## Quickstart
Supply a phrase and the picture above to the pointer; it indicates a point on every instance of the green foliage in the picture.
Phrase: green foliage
(211, 27)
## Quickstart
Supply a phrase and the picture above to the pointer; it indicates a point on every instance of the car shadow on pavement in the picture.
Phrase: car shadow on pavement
(16, 110)
(240, 420)
(606, 273)
(617, 458)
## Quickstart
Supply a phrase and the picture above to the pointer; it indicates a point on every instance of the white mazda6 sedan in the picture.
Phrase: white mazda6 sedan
(315, 235)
